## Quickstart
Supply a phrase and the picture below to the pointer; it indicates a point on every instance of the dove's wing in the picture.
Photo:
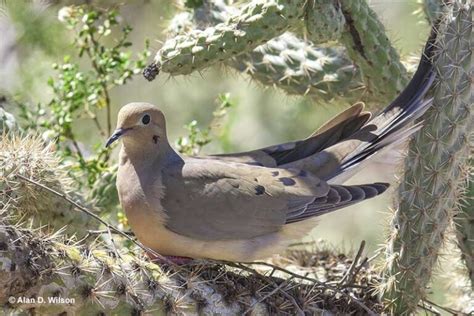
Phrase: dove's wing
(214, 200)
(338, 128)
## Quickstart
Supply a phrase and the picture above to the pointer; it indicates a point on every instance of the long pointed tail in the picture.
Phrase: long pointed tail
(395, 123)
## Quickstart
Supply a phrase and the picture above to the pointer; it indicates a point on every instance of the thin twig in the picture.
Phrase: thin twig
(430, 309)
(276, 289)
(322, 284)
(78, 149)
(348, 275)
(299, 311)
(105, 231)
(446, 309)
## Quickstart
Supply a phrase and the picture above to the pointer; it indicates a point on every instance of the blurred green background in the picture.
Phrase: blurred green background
(32, 39)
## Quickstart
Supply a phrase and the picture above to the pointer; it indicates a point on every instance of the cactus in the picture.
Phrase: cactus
(324, 15)
(464, 222)
(354, 22)
(101, 281)
(433, 169)
(30, 157)
(287, 62)
(299, 68)
(371, 51)
(459, 292)
(432, 9)
(256, 23)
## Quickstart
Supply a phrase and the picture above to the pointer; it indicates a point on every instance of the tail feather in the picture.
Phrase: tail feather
(391, 126)
(338, 197)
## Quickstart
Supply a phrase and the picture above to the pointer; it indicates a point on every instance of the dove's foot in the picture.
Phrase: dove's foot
(167, 259)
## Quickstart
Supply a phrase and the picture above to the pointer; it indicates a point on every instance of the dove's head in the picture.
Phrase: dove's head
(140, 125)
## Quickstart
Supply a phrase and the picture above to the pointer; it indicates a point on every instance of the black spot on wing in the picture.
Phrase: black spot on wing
(302, 173)
(287, 181)
(259, 190)
(275, 173)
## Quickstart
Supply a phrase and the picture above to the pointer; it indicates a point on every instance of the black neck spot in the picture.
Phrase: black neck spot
(156, 138)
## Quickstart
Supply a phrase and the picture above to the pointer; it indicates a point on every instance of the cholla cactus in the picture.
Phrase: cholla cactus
(286, 62)
(434, 171)
(299, 68)
(324, 15)
(240, 31)
(256, 23)
(30, 157)
(370, 49)
(90, 279)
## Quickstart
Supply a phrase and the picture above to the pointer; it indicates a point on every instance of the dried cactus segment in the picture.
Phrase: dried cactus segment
(433, 169)
(40, 266)
(256, 23)
(324, 21)
(370, 49)
(30, 157)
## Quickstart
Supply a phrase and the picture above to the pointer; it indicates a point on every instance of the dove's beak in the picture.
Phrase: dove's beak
(116, 135)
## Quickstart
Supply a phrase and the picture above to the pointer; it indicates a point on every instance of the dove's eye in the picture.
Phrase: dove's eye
(146, 119)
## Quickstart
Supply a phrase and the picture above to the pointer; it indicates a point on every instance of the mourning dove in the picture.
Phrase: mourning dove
(247, 206)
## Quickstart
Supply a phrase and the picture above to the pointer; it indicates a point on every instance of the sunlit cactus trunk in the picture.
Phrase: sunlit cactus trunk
(433, 169)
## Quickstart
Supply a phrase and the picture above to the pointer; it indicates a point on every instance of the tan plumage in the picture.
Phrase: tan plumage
(247, 206)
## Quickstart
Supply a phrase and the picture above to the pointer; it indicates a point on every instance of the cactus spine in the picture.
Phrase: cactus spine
(433, 169)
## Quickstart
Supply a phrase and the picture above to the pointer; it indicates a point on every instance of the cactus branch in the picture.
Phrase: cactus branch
(257, 22)
(433, 168)
(237, 34)
(370, 49)
(286, 62)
